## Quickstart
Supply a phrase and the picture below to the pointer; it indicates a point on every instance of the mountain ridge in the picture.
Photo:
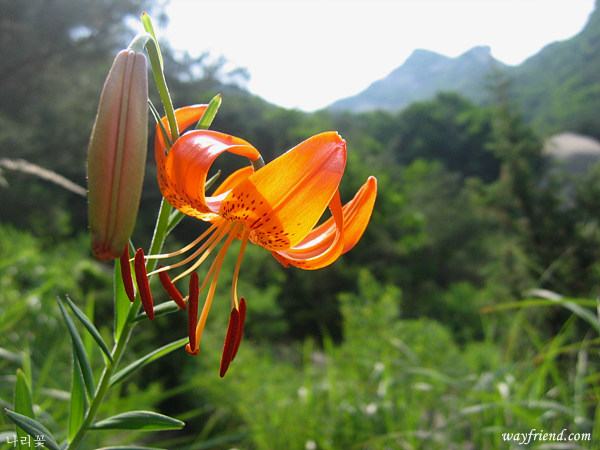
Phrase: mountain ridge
(420, 77)
(557, 88)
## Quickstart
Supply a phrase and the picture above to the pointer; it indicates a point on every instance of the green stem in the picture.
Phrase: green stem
(103, 386)
(160, 233)
(148, 41)
(159, 78)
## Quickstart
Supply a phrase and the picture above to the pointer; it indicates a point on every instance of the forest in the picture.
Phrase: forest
(468, 310)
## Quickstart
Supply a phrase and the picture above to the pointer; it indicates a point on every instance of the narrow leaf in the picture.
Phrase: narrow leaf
(129, 447)
(122, 303)
(211, 111)
(79, 402)
(150, 29)
(91, 328)
(79, 352)
(152, 356)
(139, 420)
(162, 309)
(33, 428)
(10, 356)
(23, 401)
(23, 398)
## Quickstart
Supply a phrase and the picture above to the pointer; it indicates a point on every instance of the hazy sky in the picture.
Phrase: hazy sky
(307, 54)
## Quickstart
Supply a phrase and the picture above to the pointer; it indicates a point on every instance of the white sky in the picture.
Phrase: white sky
(307, 54)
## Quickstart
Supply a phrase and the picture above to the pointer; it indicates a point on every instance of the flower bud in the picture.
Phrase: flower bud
(117, 155)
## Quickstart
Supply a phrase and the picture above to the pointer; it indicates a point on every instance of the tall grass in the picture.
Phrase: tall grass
(395, 383)
(390, 383)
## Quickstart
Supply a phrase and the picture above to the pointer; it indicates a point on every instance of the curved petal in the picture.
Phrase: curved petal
(185, 168)
(282, 202)
(234, 179)
(356, 212)
(185, 117)
(321, 250)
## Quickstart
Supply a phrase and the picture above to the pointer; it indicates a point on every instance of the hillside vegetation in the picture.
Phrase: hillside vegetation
(466, 311)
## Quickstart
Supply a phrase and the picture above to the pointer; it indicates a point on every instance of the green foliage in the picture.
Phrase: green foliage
(403, 383)
(417, 338)
(448, 129)
(558, 88)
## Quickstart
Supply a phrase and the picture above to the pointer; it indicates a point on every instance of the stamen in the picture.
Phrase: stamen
(238, 338)
(171, 289)
(232, 233)
(187, 247)
(192, 347)
(230, 340)
(236, 272)
(142, 282)
(126, 274)
(213, 272)
(213, 241)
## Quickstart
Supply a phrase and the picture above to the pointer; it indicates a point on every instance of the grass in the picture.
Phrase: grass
(391, 383)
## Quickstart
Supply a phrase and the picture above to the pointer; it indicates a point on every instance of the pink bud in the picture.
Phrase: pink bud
(117, 155)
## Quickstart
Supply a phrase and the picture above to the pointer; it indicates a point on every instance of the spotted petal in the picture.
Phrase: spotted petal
(319, 248)
(282, 202)
(186, 166)
(184, 117)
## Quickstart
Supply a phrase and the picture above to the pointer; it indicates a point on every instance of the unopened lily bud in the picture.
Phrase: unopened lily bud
(117, 155)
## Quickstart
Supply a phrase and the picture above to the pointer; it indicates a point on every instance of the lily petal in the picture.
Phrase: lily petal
(234, 179)
(183, 175)
(282, 202)
(321, 250)
(317, 249)
(184, 117)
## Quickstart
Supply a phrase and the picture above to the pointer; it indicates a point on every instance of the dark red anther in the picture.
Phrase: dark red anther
(230, 339)
(141, 277)
(193, 314)
(171, 289)
(238, 339)
(126, 274)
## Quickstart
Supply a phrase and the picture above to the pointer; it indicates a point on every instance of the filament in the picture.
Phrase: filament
(213, 241)
(187, 247)
(214, 271)
(236, 272)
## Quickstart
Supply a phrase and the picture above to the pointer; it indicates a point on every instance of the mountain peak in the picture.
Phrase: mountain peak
(422, 75)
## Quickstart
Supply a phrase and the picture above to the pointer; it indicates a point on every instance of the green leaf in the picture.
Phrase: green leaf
(150, 29)
(23, 401)
(152, 356)
(10, 356)
(79, 352)
(129, 447)
(161, 125)
(79, 403)
(211, 111)
(23, 398)
(122, 302)
(33, 428)
(162, 309)
(139, 420)
(91, 328)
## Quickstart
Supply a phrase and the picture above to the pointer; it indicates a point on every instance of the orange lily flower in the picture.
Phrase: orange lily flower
(277, 207)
